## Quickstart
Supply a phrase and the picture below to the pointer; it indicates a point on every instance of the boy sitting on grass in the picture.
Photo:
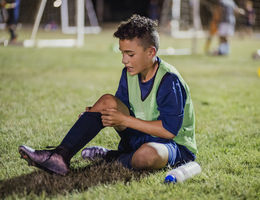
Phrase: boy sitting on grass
(152, 112)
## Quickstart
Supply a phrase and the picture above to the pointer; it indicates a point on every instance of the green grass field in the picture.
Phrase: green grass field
(42, 91)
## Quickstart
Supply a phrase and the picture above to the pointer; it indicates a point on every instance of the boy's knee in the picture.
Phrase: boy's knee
(104, 102)
(108, 100)
(141, 160)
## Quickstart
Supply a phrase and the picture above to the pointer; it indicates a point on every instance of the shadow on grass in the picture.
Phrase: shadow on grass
(40, 182)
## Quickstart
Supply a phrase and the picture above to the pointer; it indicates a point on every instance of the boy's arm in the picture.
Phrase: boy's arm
(171, 99)
(114, 118)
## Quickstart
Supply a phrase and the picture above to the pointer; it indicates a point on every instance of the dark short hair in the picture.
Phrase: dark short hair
(139, 27)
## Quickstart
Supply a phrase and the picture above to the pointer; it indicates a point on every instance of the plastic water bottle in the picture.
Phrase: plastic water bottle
(182, 173)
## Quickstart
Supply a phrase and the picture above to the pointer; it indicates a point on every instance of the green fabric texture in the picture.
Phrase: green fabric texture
(148, 109)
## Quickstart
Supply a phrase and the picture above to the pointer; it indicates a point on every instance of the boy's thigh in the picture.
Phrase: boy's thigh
(151, 155)
(168, 151)
(160, 149)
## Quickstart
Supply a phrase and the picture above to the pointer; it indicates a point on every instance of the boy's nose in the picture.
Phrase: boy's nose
(124, 60)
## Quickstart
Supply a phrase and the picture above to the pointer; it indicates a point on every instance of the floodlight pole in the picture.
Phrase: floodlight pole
(80, 23)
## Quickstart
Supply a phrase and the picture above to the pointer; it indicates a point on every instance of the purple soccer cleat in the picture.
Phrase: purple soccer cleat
(94, 152)
(47, 160)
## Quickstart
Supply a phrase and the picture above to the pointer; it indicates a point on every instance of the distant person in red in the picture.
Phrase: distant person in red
(213, 26)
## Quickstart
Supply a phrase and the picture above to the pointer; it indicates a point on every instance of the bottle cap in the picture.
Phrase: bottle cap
(170, 179)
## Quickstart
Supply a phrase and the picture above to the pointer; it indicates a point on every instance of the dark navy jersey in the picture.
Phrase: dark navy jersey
(171, 97)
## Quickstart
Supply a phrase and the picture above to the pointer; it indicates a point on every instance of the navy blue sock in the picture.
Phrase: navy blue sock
(82, 132)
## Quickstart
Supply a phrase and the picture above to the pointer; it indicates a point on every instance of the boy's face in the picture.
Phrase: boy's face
(135, 58)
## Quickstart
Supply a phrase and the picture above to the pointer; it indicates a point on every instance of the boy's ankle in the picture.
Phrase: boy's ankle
(64, 152)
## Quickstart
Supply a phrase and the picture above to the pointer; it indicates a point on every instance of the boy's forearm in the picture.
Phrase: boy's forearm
(154, 128)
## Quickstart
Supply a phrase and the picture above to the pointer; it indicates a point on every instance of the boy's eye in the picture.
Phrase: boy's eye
(131, 55)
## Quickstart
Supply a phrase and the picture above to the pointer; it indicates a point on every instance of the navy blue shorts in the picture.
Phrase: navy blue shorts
(132, 139)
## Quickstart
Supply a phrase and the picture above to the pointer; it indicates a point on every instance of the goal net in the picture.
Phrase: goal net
(77, 17)
(182, 18)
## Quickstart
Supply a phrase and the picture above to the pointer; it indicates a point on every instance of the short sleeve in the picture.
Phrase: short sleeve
(171, 97)
(122, 90)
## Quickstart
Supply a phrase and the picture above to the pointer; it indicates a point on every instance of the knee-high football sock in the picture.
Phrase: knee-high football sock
(82, 132)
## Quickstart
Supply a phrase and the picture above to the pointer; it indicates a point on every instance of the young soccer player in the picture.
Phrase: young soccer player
(13, 9)
(227, 25)
(152, 111)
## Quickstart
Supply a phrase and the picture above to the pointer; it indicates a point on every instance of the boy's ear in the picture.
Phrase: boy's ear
(152, 51)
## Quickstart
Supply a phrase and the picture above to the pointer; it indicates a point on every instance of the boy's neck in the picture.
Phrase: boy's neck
(150, 72)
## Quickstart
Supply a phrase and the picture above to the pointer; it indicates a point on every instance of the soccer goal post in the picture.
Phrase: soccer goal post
(185, 23)
(79, 29)
(67, 29)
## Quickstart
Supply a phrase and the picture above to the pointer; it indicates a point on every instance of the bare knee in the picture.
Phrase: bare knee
(104, 102)
(150, 157)
(108, 100)
(141, 158)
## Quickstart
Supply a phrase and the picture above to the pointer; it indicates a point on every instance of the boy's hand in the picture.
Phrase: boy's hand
(112, 117)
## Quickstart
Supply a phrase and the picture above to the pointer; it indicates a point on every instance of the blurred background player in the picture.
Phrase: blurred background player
(256, 55)
(213, 26)
(13, 8)
(3, 12)
(227, 24)
(250, 17)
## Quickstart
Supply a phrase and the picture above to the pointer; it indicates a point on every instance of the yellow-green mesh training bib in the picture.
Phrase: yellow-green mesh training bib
(148, 109)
